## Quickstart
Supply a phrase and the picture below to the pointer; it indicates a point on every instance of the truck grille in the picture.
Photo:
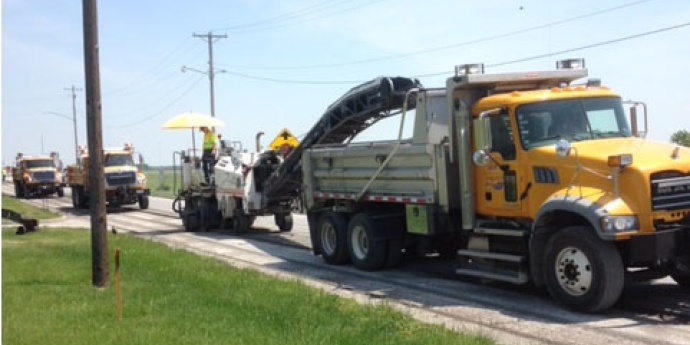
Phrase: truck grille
(120, 179)
(670, 193)
(44, 176)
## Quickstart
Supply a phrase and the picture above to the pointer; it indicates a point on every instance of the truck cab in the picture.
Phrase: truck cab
(37, 176)
(125, 181)
(570, 197)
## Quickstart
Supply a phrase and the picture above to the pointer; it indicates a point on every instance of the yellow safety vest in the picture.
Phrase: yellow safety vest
(209, 141)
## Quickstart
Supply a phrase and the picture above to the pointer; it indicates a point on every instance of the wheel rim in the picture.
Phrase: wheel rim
(573, 271)
(360, 242)
(328, 238)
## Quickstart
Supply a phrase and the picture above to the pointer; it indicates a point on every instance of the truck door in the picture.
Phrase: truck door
(497, 182)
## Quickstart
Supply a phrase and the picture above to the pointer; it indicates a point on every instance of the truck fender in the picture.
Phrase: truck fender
(575, 205)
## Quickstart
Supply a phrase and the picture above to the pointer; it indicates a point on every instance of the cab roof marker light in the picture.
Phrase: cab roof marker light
(570, 64)
(476, 68)
(594, 82)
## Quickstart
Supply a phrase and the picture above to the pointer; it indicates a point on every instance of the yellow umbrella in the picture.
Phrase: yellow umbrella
(191, 121)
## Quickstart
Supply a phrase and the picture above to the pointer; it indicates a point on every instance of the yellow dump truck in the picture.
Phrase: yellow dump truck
(125, 182)
(528, 177)
(37, 176)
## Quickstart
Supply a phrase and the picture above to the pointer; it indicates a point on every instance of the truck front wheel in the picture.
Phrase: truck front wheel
(26, 193)
(82, 200)
(18, 191)
(583, 272)
(283, 221)
(331, 236)
(143, 201)
(75, 198)
(366, 252)
(60, 192)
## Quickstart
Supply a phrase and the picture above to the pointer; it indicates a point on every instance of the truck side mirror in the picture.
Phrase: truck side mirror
(634, 120)
(482, 130)
(141, 162)
(482, 137)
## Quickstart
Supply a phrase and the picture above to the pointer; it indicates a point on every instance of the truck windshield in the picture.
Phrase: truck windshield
(542, 124)
(118, 160)
(42, 163)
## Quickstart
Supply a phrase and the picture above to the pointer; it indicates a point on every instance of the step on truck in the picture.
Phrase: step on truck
(125, 182)
(37, 175)
(534, 177)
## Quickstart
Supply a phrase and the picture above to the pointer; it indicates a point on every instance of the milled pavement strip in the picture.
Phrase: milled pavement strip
(418, 313)
(474, 319)
(512, 303)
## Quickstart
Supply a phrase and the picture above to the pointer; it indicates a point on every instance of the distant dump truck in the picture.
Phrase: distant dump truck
(37, 176)
(125, 182)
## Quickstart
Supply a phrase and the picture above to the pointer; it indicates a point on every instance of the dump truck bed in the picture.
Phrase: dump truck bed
(416, 173)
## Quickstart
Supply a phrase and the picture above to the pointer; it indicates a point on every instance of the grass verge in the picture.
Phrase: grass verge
(174, 297)
(27, 211)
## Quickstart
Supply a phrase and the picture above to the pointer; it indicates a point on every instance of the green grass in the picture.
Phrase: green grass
(164, 188)
(27, 211)
(173, 297)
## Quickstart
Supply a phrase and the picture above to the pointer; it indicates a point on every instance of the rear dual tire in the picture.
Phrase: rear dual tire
(340, 242)
(367, 253)
(331, 237)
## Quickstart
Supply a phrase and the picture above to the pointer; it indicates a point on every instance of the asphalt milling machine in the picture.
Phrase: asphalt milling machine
(250, 184)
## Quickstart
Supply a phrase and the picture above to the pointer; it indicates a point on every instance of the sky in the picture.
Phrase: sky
(280, 64)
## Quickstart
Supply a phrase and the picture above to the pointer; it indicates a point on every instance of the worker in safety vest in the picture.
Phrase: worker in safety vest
(208, 157)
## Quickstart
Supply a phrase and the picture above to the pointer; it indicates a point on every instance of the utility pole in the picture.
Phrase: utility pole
(74, 90)
(210, 38)
(99, 233)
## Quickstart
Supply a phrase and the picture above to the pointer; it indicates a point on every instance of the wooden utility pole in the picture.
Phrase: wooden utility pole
(210, 38)
(74, 90)
(99, 233)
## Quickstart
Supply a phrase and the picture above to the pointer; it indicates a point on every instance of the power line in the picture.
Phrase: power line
(182, 49)
(280, 17)
(569, 50)
(165, 107)
(153, 100)
(284, 20)
(447, 47)
(285, 81)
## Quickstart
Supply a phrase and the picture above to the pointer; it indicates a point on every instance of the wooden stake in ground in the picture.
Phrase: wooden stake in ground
(118, 295)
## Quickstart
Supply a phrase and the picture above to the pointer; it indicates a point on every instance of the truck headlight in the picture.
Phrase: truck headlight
(619, 223)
